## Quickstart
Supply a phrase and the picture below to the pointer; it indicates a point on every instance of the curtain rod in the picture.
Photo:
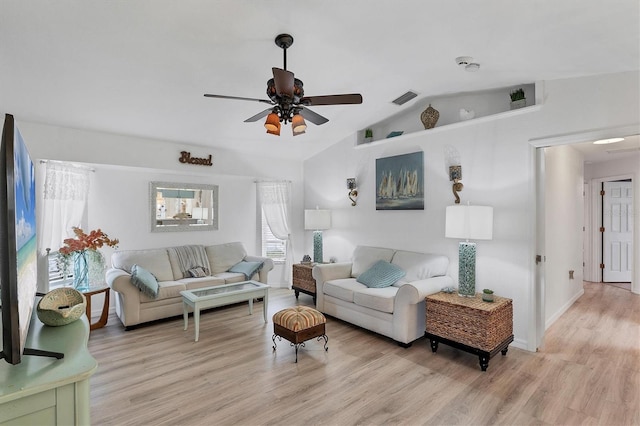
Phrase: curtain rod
(78, 166)
(270, 181)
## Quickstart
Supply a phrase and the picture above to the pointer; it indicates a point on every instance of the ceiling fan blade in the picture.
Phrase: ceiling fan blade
(353, 98)
(238, 98)
(259, 115)
(284, 81)
(313, 117)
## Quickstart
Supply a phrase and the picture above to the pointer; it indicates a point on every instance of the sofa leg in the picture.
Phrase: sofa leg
(404, 345)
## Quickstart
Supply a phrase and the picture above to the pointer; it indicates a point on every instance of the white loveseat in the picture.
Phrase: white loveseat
(134, 307)
(397, 311)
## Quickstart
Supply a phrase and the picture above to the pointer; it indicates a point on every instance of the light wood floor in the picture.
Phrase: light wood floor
(588, 373)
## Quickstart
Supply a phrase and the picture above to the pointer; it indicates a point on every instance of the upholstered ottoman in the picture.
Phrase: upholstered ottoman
(298, 325)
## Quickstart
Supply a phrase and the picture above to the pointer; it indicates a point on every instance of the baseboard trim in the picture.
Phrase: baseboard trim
(563, 309)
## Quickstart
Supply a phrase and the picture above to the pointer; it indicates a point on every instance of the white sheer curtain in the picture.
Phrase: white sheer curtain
(66, 190)
(275, 200)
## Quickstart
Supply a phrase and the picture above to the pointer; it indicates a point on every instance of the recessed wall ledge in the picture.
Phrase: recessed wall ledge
(453, 126)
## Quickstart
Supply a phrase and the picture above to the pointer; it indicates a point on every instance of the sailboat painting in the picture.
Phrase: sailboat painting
(400, 182)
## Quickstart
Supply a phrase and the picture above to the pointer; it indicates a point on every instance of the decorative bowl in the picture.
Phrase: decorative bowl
(61, 306)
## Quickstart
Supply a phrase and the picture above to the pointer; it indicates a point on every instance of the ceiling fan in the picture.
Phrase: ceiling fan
(287, 100)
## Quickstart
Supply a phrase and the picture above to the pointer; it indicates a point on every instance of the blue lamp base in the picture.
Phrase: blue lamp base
(467, 269)
(317, 246)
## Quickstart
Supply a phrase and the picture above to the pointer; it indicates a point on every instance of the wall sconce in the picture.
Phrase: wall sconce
(353, 192)
(453, 163)
(455, 174)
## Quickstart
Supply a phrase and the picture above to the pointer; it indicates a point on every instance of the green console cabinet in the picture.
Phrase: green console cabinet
(49, 391)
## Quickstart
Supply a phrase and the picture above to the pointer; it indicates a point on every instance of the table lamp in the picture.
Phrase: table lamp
(317, 220)
(468, 222)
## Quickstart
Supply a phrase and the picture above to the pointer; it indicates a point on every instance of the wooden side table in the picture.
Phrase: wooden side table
(470, 324)
(303, 280)
(104, 316)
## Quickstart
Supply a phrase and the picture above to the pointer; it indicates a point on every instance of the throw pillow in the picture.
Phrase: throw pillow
(144, 281)
(246, 268)
(197, 272)
(381, 274)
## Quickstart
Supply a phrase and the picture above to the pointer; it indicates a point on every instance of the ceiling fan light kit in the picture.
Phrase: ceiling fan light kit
(287, 100)
(298, 124)
(273, 122)
(275, 131)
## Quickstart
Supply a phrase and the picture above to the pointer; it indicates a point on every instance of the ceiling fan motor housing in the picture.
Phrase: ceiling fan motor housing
(298, 91)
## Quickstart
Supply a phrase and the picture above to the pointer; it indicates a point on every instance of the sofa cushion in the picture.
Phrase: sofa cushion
(155, 261)
(231, 277)
(342, 288)
(166, 290)
(379, 299)
(381, 274)
(420, 266)
(223, 256)
(246, 268)
(364, 257)
(198, 283)
(144, 281)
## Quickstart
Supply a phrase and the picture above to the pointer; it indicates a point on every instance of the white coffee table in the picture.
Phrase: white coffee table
(221, 295)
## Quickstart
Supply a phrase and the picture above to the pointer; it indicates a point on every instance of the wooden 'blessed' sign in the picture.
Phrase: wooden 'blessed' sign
(186, 158)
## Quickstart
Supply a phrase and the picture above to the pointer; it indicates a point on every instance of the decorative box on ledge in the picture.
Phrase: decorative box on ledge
(470, 324)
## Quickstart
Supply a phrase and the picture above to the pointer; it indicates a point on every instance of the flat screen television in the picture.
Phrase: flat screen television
(18, 251)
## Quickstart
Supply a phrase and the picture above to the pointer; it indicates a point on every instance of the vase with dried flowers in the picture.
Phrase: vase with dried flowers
(82, 250)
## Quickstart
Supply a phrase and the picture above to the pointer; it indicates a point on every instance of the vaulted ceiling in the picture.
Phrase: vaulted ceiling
(141, 67)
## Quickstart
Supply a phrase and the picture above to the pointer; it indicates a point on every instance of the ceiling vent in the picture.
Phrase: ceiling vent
(403, 99)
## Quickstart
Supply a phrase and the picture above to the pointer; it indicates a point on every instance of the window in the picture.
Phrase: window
(64, 205)
(57, 275)
(272, 247)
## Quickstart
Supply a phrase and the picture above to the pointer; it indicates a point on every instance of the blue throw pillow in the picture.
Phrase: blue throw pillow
(246, 268)
(381, 274)
(144, 281)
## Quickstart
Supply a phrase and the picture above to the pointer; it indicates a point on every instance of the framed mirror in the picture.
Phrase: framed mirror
(183, 207)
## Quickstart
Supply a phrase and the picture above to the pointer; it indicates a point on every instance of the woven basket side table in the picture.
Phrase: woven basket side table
(470, 324)
(303, 281)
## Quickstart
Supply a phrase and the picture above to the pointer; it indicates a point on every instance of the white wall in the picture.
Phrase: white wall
(497, 161)
(498, 170)
(124, 166)
(564, 217)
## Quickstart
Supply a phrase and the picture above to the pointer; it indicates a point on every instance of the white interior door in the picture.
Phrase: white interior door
(617, 238)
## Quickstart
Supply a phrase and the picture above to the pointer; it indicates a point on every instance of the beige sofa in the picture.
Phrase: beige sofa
(397, 311)
(134, 307)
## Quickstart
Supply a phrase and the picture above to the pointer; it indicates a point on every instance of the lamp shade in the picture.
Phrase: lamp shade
(297, 124)
(272, 123)
(317, 219)
(469, 222)
(274, 132)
